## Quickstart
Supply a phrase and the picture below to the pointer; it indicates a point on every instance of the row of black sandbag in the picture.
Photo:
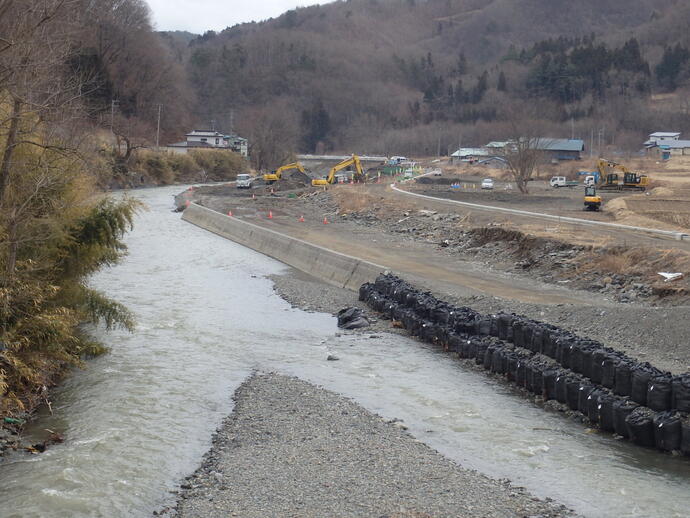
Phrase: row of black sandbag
(644, 383)
(468, 333)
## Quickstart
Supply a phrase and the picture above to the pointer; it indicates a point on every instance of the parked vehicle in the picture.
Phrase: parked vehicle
(487, 183)
(243, 181)
(560, 181)
(612, 181)
(592, 199)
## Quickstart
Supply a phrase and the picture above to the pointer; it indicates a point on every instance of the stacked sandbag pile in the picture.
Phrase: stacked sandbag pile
(615, 392)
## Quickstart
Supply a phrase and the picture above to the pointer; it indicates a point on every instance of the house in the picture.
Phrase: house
(468, 154)
(666, 149)
(211, 139)
(561, 149)
(661, 136)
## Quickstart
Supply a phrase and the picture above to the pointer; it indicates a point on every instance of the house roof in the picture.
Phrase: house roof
(471, 151)
(674, 144)
(496, 144)
(660, 134)
(193, 144)
(204, 133)
(560, 144)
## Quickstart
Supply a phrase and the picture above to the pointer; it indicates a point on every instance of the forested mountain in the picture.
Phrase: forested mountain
(414, 76)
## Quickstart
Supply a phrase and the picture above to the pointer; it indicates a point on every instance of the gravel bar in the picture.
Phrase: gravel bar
(291, 449)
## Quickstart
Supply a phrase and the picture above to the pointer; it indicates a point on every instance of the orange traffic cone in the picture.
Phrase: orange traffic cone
(270, 214)
(230, 213)
(301, 219)
(325, 220)
(253, 196)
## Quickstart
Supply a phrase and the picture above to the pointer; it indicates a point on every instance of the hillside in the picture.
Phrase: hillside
(411, 76)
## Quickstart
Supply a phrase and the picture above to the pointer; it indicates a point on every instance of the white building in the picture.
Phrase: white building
(661, 136)
(209, 139)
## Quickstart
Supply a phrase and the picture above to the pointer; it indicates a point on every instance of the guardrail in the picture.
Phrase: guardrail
(668, 234)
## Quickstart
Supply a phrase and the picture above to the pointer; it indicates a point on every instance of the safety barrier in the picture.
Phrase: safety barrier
(327, 265)
(613, 391)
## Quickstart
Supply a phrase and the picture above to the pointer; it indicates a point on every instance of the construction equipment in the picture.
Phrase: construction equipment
(278, 173)
(331, 178)
(610, 180)
(592, 199)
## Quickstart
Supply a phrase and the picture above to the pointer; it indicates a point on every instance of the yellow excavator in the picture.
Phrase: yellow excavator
(278, 173)
(610, 180)
(592, 199)
(358, 175)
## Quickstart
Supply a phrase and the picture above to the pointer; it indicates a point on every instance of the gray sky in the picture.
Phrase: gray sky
(201, 15)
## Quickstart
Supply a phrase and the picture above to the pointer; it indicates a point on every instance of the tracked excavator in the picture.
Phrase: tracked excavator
(611, 180)
(278, 173)
(358, 174)
(592, 199)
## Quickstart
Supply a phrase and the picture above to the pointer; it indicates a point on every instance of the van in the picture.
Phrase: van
(243, 181)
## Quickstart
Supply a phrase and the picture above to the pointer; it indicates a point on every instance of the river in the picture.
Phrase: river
(138, 419)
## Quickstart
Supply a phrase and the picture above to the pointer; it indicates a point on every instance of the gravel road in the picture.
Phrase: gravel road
(295, 450)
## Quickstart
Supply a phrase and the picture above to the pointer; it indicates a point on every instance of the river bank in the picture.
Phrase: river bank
(489, 279)
(293, 449)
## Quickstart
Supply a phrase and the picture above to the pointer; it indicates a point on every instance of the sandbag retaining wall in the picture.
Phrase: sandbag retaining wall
(616, 393)
(327, 265)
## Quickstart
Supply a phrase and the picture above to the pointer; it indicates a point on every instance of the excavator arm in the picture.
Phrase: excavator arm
(278, 174)
(330, 179)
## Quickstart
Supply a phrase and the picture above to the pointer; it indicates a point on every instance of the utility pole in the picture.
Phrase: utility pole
(591, 144)
(158, 128)
(232, 122)
(213, 125)
(572, 128)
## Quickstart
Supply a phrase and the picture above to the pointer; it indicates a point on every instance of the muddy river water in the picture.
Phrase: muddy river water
(138, 419)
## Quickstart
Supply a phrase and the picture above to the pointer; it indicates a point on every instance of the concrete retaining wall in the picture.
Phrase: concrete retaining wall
(327, 265)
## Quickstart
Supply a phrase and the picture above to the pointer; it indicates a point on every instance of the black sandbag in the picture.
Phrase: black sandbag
(681, 393)
(667, 430)
(623, 381)
(605, 410)
(660, 392)
(548, 347)
(537, 385)
(576, 357)
(537, 338)
(563, 344)
(528, 375)
(494, 325)
(527, 330)
(639, 384)
(497, 361)
(483, 326)
(520, 372)
(454, 342)
(548, 377)
(480, 351)
(504, 323)
(685, 435)
(573, 393)
(622, 407)
(587, 361)
(640, 426)
(584, 391)
(488, 356)
(593, 405)
(518, 332)
(608, 370)
(597, 370)
(511, 365)
(427, 332)
(471, 349)
(364, 291)
(562, 388)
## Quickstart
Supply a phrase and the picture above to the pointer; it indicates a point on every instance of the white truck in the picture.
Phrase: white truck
(243, 181)
(560, 181)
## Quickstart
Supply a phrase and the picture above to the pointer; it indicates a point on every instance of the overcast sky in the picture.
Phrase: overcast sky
(198, 16)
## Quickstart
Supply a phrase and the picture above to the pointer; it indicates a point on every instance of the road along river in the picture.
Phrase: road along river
(137, 420)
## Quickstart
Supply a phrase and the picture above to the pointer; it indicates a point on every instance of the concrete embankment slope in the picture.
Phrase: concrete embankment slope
(327, 265)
